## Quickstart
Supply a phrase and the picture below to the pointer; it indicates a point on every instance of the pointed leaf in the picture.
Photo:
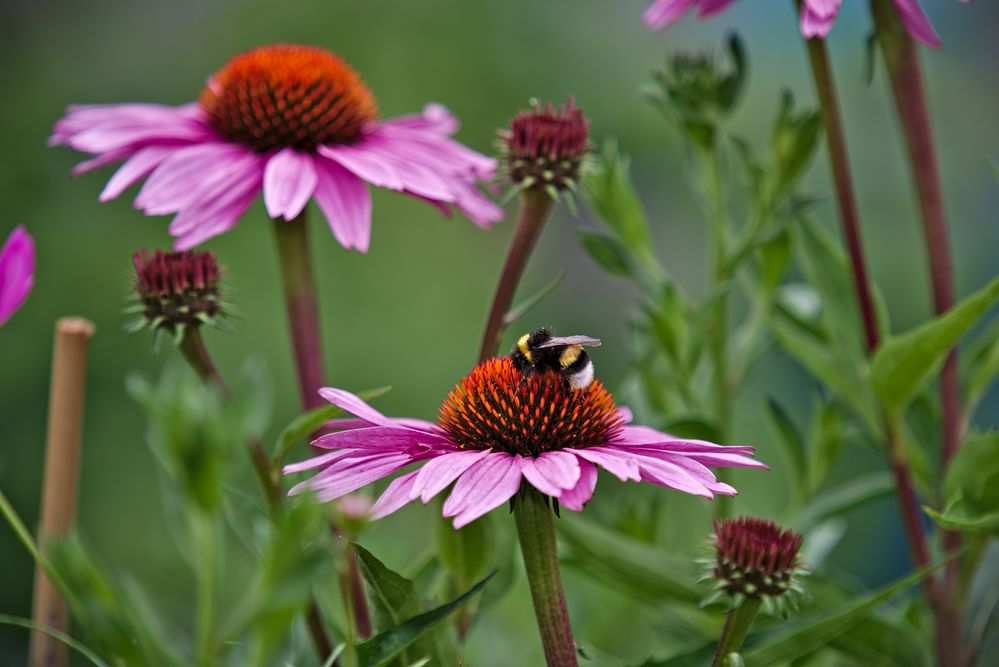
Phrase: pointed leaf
(388, 644)
(903, 364)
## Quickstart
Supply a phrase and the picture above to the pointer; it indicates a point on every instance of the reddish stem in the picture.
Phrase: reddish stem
(534, 207)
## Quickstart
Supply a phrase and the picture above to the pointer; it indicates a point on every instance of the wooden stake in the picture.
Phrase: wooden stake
(62, 463)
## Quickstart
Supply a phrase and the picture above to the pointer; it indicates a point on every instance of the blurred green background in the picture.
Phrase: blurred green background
(411, 312)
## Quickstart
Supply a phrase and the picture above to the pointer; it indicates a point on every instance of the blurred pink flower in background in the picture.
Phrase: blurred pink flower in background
(293, 122)
(17, 272)
(817, 16)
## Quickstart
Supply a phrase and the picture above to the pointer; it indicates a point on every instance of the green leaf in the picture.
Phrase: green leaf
(311, 421)
(792, 446)
(984, 365)
(521, 309)
(972, 487)
(388, 644)
(610, 193)
(798, 638)
(637, 568)
(845, 497)
(903, 364)
(609, 253)
(795, 136)
(394, 598)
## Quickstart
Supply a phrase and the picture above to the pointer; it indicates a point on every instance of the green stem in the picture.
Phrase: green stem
(736, 628)
(540, 551)
(535, 205)
(718, 332)
(299, 285)
(22, 532)
(206, 571)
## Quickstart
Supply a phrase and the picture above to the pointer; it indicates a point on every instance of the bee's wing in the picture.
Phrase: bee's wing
(570, 340)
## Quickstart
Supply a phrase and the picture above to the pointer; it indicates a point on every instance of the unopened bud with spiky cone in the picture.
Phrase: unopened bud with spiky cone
(754, 560)
(546, 149)
(175, 292)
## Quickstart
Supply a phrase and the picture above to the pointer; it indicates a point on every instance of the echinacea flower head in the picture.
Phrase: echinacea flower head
(816, 18)
(175, 291)
(293, 122)
(545, 147)
(755, 558)
(17, 272)
(498, 429)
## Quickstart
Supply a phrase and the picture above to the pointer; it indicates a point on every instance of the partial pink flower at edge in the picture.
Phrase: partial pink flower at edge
(555, 440)
(17, 272)
(293, 122)
(817, 16)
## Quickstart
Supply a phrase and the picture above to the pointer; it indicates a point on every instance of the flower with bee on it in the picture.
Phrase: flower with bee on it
(500, 428)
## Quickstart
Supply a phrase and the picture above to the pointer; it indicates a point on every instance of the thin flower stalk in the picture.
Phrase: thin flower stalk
(905, 72)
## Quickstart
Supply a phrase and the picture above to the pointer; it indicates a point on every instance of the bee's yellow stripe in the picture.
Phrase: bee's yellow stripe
(569, 355)
(524, 349)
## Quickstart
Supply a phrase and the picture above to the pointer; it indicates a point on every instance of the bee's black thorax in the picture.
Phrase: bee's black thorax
(570, 361)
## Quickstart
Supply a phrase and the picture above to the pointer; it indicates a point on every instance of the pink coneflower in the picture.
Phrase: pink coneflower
(294, 122)
(497, 429)
(17, 272)
(817, 16)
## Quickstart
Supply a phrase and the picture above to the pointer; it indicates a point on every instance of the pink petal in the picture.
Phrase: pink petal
(613, 461)
(103, 128)
(348, 402)
(354, 474)
(100, 161)
(289, 181)
(669, 474)
(664, 13)
(314, 462)
(369, 166)
(345, 201)
(378, 437)
(917, 23)
(483, 488)
(192, 175)
(135, 169)
(435, 118)
(479, 209)
(580, 494)
(552, 472)
(438, 473)
(396, 494)
(436, 151)
(17, 271)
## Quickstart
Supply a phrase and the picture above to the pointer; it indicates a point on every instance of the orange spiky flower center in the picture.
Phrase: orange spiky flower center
(497, 407)
(288, 96)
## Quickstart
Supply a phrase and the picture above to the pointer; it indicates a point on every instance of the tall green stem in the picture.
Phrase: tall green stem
(299, 284)
(905, 72)
(535, 205)
(540, 550)
(205, 530)
(718, 261)
(737, 626)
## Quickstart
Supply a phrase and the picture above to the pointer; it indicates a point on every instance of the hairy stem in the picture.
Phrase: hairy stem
(737, 625)
(540, 551)
(905, 73)
(534, 207)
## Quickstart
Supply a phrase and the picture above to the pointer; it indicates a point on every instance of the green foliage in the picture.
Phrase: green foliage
(905, 363)
(971, 487)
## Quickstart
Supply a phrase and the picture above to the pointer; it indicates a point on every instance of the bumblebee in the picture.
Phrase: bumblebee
(540, 351)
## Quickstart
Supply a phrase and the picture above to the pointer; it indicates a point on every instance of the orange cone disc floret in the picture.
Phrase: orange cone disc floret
(496, 407)
(288, 96)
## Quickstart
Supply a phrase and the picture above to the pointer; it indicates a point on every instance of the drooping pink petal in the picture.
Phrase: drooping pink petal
(348, 402)
(369, 166)
(103, 128)
(552, 472)
(101, 160)
(444, 154)
(669, 474)
(580, 494)
(664, 13)
(479, 209)
(434, 118)
(345, 201)
(438, 473)
(487, 484)
(818, 16)
(396, 494)
(192, 175)
(354, 474)
(378, 437)
(314, 462)
(135, 169)
(917, 23)
(17, 271)
(289, 181)
(612, 460)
